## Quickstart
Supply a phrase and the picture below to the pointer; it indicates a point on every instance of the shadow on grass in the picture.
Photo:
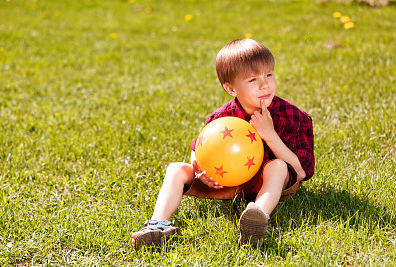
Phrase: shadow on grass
(328, 204)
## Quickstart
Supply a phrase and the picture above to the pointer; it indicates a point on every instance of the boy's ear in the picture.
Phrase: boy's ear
(229, 89)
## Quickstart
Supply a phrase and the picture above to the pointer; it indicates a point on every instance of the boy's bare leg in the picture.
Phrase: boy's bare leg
(275, 178)
(171, 193)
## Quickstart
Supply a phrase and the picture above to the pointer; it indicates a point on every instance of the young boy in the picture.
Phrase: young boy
(245, 69)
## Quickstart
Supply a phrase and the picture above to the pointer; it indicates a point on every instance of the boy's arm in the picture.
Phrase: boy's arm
(262, 122)
(281, 151)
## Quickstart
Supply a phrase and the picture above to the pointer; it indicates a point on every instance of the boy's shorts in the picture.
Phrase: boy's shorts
(248, 190)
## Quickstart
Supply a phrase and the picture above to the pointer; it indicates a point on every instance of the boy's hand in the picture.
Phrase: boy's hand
(262, 122)
(204, 179)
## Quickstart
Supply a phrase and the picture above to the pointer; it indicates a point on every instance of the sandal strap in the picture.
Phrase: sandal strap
(157, 222)
(157, 225)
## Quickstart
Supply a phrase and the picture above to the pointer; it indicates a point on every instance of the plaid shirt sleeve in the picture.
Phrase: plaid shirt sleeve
(294, 127)
(304, 146)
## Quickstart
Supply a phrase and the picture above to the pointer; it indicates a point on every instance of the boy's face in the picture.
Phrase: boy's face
(251, 89)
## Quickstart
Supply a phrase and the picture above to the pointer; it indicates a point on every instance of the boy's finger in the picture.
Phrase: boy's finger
(215, 185)
(218, 186)
(262, 106)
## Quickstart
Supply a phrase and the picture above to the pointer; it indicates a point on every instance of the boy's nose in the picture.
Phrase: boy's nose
(264, 84)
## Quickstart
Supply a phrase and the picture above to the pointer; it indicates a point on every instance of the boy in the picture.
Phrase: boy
(245, 69)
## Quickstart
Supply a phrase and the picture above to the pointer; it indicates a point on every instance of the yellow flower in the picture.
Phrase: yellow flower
(345, 19)
(349, 25)
(336, 14)
(188, 17)
(131, 1)
(148, 10)
(56, 13)
(114, 35)
(1, 48)
(248, 35)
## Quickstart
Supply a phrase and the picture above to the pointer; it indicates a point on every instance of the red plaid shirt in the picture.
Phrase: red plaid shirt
(293, 126)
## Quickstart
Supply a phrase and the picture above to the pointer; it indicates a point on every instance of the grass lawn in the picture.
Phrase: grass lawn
(98, 97)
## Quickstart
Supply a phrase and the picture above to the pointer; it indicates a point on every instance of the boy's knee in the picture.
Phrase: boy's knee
(177, 167)
(177, 170)
(277, 165)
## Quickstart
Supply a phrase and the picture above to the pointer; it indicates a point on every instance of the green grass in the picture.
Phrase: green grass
(89, 123)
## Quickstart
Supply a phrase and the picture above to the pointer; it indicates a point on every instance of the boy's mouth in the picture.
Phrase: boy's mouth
(265, 96)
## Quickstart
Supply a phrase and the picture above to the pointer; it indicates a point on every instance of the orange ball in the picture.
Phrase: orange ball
(230, 150)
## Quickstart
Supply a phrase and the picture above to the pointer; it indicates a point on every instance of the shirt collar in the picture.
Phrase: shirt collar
(242, 111)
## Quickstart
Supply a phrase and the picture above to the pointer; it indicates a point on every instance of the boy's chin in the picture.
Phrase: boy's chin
(268, 102)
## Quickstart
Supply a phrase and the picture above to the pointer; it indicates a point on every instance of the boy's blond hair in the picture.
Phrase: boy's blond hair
(242, 56)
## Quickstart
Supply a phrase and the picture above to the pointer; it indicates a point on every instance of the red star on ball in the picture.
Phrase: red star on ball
(227, 132)
(252, 136)
(200, 140)
(250, 162)
(220, 171)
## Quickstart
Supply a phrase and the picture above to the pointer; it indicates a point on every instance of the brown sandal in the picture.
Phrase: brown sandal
(154, 232)
(253, 225)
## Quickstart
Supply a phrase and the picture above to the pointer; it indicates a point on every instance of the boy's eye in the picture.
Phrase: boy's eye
(269, 75)
(252, 80)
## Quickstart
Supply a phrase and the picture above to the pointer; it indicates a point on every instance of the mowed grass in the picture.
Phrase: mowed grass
(98, 97)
